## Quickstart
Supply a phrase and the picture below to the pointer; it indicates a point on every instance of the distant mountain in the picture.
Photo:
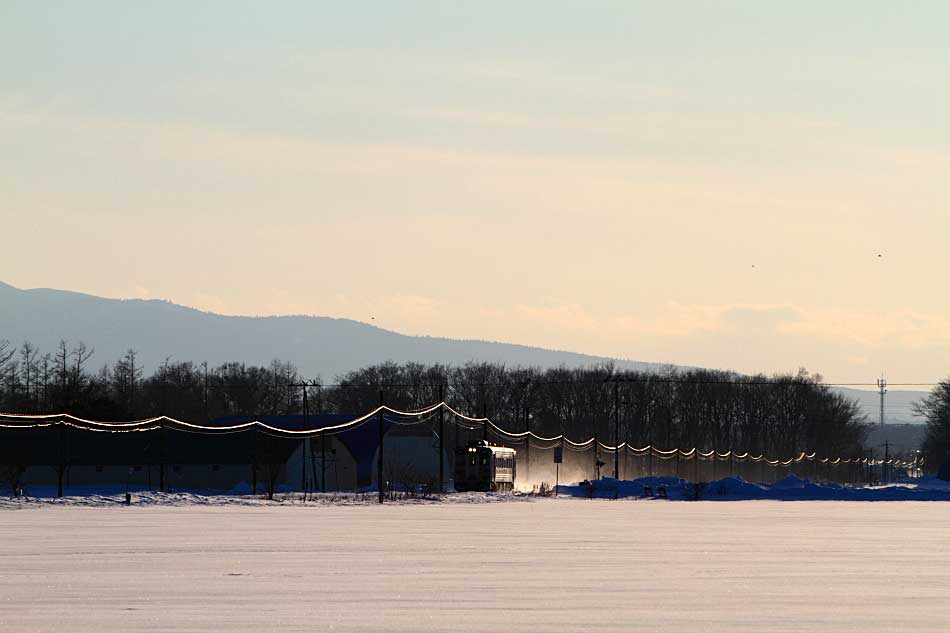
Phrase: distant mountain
(898, 405)
(319, 346)
(902, 439)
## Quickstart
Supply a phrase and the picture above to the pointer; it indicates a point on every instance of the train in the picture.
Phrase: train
(484, 467)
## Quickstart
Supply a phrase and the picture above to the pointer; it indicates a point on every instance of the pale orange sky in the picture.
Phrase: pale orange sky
(706, 183)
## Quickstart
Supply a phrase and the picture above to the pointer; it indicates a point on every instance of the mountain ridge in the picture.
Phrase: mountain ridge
(320, 346)
(107, 324)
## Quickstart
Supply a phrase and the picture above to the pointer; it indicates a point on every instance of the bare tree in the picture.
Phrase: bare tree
(126, 375)
(45, 373)
(6, 352)
(271, 457)
(62, 370)
(29, 371)
(12, 469)
(80, 355)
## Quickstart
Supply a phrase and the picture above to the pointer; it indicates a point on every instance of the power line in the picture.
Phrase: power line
(25, 421)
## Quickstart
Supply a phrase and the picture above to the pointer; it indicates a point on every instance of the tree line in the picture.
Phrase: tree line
(935, 408)
(779, 415)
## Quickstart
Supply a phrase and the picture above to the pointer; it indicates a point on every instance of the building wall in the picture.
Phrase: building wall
(94, 461)
(339, 468)
(412, 459)
(216, 477)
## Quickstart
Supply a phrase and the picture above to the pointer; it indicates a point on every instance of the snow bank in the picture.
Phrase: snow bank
(609, 488)
(790, 488)
(673, 488)
(81, 497)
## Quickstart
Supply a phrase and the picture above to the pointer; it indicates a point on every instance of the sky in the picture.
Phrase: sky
(744, 185)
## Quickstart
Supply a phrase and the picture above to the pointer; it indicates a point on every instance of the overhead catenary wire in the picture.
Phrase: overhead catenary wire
(417, 416)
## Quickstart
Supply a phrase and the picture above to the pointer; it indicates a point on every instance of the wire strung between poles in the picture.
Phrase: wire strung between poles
(418, 416)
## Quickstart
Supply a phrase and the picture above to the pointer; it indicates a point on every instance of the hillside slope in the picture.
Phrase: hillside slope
(320, 346)
(317, 345)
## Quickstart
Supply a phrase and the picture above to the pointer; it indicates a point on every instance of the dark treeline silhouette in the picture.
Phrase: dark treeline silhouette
(935, 408)
(779, 416)
(65, 381)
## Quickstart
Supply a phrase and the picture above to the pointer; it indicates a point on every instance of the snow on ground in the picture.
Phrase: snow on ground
(104, 497)
(564, 564)
(676, 489)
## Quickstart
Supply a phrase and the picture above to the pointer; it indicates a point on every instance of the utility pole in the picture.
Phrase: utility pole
(616, 432)
(885, 467)
(61, 471)
(441, 439)
(527, 443)
(253, 461)
(597, 463)
(882, 385)
(323, 462)
(304, 453)
(323, 448)
(379, 459)
(527, 437)
(161, 455)
(456, 427)
(557, 467)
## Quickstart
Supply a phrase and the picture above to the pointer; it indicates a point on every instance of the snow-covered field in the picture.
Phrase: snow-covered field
(562, 564)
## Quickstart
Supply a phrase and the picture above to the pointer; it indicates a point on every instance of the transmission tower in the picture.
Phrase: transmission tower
(882, 385)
